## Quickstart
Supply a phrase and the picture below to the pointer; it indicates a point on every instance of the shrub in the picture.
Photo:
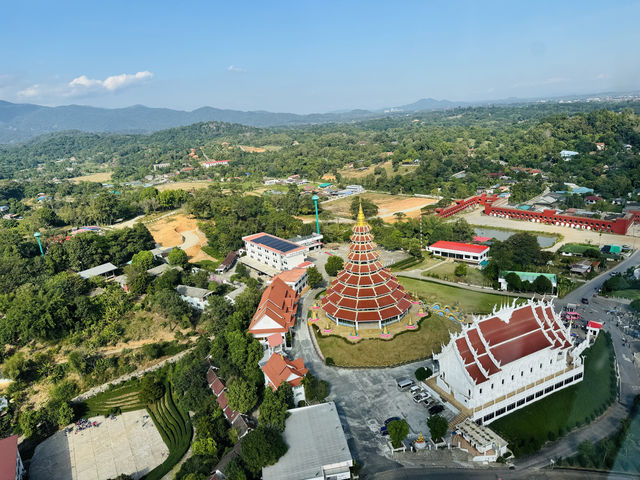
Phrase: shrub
(423, 373)
(329, 361)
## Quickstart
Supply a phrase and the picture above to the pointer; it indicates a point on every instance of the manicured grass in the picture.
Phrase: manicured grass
(577, 248)
(175, 429)
(528, 429)
(124, 396)
(629, 294)
(419, 265)
(403, 348)
(446, 271)
(467, 301)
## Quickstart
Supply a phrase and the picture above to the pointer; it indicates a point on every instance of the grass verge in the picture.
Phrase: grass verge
(124, 396)
(405, 347)
(528, 429)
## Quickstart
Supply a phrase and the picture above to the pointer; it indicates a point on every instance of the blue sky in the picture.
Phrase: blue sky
(312, 56)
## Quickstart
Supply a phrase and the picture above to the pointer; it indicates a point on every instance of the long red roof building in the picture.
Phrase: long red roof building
(364, 291)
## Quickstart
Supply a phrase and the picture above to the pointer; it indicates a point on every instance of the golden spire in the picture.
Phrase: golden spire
(360, 221)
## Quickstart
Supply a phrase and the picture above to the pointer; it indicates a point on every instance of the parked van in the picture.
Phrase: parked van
(404, 383)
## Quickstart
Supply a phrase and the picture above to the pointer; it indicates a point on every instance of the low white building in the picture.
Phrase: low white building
(106, 270)
(312, 242)
(296, 278)
(486, 445)
(508, 359)
(464, 252)
(318, 448)
(276, 254)
(194, 296)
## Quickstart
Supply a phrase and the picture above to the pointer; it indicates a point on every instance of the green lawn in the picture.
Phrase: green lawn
(467, 301)
(426, 262)
(629, 294)
(528, 429)
(577, 248)
(403, 348)
(124, 396)
(446, 272)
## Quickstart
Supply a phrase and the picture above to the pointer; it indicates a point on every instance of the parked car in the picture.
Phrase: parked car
(404, 383)
(415, 389)
(420, 397)
(383, 429)
(436, 409)
(585, 300)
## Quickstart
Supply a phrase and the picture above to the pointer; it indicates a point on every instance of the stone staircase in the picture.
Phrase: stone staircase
(461, 417)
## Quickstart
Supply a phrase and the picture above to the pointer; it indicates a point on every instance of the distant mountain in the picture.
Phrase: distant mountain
(20, 122)
(426, 104)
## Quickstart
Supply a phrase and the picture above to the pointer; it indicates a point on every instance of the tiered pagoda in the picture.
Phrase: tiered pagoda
(365, 293)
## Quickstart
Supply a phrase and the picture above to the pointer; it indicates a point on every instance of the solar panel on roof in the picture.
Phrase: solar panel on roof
(277, 243)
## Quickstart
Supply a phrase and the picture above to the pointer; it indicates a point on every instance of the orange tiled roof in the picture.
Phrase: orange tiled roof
(292, 275)
(278, 369)
(280, 303)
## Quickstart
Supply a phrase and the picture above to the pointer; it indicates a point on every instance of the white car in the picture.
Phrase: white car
(420, 397)
(415, 389)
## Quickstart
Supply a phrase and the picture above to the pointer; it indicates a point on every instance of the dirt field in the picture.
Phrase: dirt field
(183, 185)
(101, 177)
(181, 231)
(387, 205)
(570, 235)
(246, 148)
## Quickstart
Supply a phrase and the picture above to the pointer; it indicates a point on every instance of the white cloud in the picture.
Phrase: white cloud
(602, 76)
(235, 68)
(111, 84)
(30, 92)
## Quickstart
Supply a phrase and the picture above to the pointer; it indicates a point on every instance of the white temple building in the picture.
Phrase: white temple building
(508, 359)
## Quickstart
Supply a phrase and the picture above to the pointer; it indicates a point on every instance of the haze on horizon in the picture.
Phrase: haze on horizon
(313, 57)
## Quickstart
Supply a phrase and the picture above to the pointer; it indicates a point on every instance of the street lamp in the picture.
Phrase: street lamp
(315, 199)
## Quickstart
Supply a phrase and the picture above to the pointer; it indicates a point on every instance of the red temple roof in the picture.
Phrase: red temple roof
(526, 330)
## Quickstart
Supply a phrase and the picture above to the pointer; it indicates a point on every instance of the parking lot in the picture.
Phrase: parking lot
(128, 444)
(365, 399)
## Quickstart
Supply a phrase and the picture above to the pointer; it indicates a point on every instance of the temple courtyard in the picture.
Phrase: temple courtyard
(127, 444)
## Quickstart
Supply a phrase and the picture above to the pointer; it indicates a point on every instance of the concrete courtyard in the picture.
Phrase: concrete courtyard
(128, 444)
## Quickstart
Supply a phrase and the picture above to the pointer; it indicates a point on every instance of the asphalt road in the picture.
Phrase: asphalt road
(451, 474)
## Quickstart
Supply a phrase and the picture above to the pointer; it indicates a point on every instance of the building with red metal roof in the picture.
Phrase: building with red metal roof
(509, 359)
(11, 467)
(465, 252)
(365, 292)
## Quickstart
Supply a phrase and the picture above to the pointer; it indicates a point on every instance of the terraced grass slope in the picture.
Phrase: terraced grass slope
(175, 429)
(124, 396)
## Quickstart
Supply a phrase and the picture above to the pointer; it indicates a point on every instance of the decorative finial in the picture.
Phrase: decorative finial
(360, 221)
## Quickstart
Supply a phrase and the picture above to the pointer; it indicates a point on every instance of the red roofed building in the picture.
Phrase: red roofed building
(365, 292)
(234, 417)
(279, 369)
(276, 312)
(465, 252)
(11, 467)
(509, 359)
(214, 163)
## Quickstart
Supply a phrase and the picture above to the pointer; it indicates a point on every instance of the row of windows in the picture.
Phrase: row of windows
(528, 216)
(531, 398)
(512, 376)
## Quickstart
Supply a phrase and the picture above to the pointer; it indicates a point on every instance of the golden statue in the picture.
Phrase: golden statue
(410, 322)
(385, 330)
(354, 332)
